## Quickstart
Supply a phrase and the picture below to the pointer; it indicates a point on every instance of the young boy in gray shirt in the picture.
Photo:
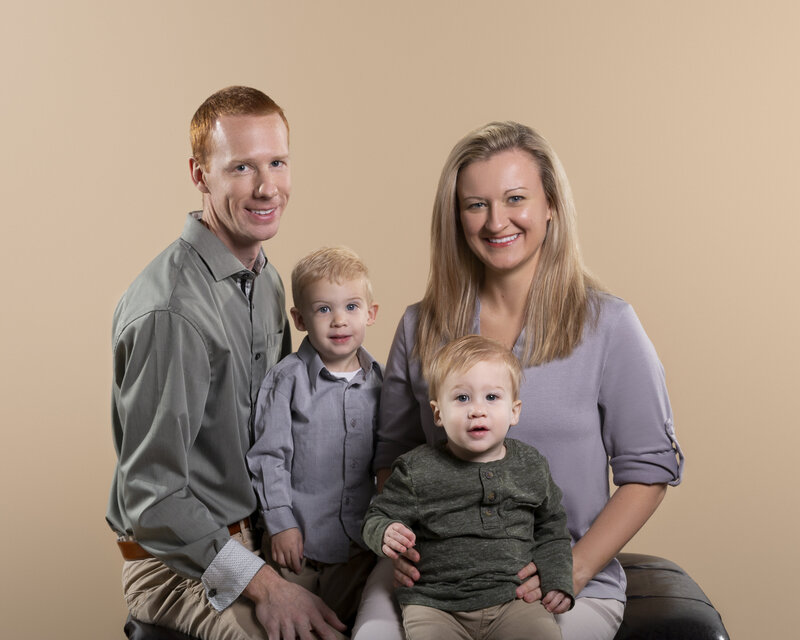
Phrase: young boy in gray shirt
(477, 508)
(314, 424)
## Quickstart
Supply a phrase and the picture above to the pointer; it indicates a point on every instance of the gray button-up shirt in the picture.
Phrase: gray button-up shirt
(312, 456)
(191, 345)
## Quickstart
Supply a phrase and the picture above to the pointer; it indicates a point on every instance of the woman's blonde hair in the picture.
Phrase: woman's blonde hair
(559, 300)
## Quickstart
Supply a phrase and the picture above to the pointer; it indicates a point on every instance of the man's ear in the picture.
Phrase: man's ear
(297, 318)
(198, 175)
(437, 415)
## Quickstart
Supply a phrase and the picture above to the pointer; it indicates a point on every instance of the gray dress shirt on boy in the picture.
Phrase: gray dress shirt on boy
(312, 457)
(191, 344)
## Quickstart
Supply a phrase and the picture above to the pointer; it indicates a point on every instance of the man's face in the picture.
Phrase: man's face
(246, 181)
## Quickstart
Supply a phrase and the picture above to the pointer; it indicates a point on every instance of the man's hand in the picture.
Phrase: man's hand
(287, 611)
(556, 601)
(287, 549)
(397, 540)
(530, 590)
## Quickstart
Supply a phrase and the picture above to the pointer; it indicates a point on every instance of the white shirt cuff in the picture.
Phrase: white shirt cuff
(229, 573)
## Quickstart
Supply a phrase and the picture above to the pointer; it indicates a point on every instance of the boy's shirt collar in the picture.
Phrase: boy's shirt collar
(309, 356)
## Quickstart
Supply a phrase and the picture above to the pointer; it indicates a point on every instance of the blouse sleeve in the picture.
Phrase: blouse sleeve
(638, 432)
(399, 423)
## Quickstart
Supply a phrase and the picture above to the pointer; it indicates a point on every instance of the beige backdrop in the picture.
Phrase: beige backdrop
(678, 126)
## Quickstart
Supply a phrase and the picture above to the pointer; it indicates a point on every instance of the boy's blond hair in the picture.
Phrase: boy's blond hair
(464, 353)
(335, 264)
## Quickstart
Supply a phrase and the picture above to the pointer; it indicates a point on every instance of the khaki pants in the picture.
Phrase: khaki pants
(379, 615)
(157, 595)
(514, 620)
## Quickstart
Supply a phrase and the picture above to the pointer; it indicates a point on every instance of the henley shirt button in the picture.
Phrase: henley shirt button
(489, 474)
(492, 496)
(488, 512)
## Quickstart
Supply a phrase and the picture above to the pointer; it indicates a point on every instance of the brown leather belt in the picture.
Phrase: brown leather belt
(132, 550)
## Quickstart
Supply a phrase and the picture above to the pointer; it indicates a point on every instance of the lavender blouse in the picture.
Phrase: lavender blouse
(606, 403)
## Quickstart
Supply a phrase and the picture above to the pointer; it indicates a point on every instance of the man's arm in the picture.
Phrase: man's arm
(161, 382)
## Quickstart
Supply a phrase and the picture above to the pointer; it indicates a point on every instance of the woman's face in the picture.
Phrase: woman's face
(504, 211)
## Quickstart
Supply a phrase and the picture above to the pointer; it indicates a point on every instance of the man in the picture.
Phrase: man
(193, 337)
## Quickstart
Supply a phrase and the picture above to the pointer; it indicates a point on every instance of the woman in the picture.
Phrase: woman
(505, 264)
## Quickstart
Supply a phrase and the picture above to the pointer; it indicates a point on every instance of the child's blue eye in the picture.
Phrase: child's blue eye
(323, 309)
(352, 306)
(491, 397)
(463, 397)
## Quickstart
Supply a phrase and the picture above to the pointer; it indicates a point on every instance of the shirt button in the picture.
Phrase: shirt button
(212, 593)
(488, 512)
(353, 422)
(489, 475)
(492, 496)
(258, 356)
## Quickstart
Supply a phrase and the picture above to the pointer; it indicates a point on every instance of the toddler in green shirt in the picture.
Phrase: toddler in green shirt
(476, 508)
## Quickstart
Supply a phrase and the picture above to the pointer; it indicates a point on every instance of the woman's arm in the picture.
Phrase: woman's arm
(399, 427)
(624, 514)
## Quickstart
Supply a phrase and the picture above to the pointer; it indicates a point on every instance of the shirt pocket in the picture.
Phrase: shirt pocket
(518, 518)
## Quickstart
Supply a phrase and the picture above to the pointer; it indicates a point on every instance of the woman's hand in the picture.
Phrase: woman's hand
(398, 544)
(531, 588)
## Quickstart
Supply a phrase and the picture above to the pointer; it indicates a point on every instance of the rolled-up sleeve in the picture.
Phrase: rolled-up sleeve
(638, 430)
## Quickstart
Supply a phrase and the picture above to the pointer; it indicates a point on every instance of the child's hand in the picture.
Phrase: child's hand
(397, 539)
(287, 549)
(556, 601)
